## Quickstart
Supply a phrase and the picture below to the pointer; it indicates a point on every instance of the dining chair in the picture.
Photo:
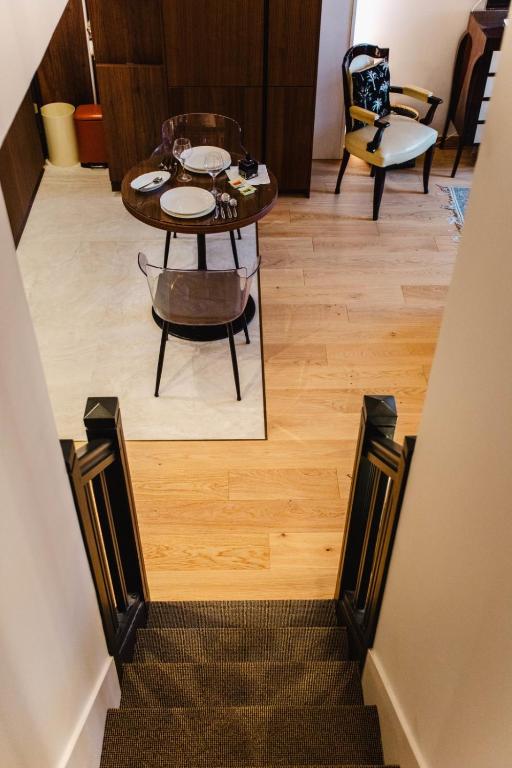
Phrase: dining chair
(199, 297)
(203, 128)
(382, 134)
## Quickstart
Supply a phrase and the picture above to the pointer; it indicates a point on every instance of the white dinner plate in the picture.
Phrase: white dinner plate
(196, 157)
(146, 178)
(187, 202)
(184, 216)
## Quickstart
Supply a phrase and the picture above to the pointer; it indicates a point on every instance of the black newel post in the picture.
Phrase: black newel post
(378, 420)
(102, 421)
(93, 545)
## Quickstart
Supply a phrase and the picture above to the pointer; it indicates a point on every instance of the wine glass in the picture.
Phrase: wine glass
(180, 150)
(213, 164)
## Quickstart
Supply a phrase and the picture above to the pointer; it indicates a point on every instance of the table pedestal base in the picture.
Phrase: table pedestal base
(208, 332)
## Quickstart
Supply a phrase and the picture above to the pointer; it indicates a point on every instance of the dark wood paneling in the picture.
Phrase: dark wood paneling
(64, 73)
(294, 32)
(289, 138)
(242, 104)
(21, 166)
(126, 31)
(134, 107)
(214, 43)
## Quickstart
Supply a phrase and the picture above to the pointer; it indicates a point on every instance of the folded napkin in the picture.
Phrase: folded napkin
(262, 177)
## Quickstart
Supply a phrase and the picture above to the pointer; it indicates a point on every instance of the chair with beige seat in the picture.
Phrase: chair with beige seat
(382, 134)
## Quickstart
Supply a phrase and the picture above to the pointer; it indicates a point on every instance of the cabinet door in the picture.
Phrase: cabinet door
(134, 105)
(289, 139)
(214, 42)
(244, 105)
(21, 166)
(126, 31)
(293, 39)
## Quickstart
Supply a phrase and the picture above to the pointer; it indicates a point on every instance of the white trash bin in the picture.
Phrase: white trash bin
(60, 133)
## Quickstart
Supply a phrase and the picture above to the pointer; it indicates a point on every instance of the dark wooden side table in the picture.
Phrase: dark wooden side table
(145, 206)
(475, 68)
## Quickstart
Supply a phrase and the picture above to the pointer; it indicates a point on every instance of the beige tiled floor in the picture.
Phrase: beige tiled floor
(91, 309)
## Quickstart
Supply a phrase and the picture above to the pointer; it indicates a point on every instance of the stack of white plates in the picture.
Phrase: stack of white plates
(197, 155)
(187, 202)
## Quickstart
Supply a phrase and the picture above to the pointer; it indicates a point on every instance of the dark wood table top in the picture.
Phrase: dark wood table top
(145, 206)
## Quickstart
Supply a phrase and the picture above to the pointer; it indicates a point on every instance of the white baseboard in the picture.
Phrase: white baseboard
(84, 748)
(398, 742)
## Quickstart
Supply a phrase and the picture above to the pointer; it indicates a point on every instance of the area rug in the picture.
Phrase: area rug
(91, 310)
(459, 197)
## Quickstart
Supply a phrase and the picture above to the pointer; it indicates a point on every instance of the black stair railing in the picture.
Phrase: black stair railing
(100, 481)
(378, 483)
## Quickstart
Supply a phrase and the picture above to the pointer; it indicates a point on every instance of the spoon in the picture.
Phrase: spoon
(220, 200)
(156, 180)
(225, 200)
(233, 203)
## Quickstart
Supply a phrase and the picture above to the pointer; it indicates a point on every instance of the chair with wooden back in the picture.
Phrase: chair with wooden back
(382, 134)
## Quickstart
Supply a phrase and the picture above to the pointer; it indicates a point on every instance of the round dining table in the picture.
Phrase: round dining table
(145, 206)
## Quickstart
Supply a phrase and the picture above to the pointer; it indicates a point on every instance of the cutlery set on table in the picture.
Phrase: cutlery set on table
(191, 202)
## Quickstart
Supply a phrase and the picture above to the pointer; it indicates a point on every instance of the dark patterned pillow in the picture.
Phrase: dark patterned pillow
(370, 89)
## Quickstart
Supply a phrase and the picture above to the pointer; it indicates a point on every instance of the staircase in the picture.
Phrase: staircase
(253, 683)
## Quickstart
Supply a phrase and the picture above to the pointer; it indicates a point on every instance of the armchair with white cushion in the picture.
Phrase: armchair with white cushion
(383, 134)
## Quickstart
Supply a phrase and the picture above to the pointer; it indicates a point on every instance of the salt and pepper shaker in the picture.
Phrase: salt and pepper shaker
(248, 167)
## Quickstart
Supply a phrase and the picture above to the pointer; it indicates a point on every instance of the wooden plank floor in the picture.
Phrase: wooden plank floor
(349, 307)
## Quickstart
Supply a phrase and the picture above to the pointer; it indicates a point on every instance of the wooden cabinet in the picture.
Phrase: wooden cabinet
(214, 43)
(21, 166)
(293, 41)
(245, 105)
(126, 31)
(252, 60)
(289, 136)
(293, 37)
(134, 108)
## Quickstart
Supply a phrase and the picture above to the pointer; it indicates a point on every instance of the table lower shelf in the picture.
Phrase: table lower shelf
(208, 332)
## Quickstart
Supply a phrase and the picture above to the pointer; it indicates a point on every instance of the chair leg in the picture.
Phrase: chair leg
(165, 334)
(246, 330)
(380, 178)
(427, 165)
(233, 359)
(233, 248)
(458, 156)
(343, 168)
(167, 246)
(239, 234)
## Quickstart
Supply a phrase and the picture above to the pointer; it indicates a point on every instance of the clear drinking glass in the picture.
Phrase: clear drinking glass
(181, 148)
(213, 164)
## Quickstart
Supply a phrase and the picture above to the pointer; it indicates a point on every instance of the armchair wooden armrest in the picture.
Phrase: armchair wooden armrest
(421, 94)
(370, 118)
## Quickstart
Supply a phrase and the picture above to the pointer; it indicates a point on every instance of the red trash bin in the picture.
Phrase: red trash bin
(90, 134)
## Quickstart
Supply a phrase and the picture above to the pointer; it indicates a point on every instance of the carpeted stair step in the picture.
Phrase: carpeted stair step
(242, 644)
(318, 683)
(236, 736)
(243, 613)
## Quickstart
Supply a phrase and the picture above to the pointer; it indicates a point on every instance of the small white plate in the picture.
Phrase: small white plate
(187, 202)
(196, 157)
(146, 178)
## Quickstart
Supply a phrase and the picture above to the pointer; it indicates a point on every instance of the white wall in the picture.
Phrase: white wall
(25, 31)
(53, 658)
(422, 37)
(335, 37)
(444, 641)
